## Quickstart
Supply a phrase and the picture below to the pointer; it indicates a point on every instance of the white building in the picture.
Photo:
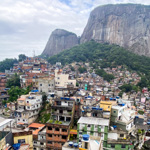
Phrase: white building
(28, 108)
(46, 85)
(63, 80)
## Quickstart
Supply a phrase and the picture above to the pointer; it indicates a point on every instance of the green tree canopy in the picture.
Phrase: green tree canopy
(13, 81)
(22, 57)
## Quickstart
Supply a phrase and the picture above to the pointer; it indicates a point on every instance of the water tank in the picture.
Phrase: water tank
(85, 137)
(16, 146)
(114, 126)
(70, 143)
(75, 145)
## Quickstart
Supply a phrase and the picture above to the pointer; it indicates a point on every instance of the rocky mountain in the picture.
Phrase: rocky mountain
(60, 40)
(127, 25)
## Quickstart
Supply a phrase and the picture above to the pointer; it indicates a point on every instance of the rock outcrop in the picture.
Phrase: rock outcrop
(60, 40)
(127, 25)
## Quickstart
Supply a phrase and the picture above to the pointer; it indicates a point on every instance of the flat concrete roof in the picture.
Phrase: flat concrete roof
(93, 120)
(4, 121)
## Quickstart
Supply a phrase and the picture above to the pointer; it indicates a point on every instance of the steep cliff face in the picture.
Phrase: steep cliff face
(126, 25)
(60, 40)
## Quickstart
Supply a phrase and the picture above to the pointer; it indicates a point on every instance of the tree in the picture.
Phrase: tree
(126, 87)
(82, 69)
(22, 57)
(14, 92)
(14, 81)
(7, 64)
(44, 98)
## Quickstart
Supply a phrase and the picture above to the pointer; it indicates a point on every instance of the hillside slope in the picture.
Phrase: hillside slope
(104, 55)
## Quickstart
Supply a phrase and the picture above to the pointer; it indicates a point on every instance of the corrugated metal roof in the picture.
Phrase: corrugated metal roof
(93, 120)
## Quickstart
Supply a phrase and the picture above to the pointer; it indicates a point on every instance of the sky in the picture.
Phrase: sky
(25, 25)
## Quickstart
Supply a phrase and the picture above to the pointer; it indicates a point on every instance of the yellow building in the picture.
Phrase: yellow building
(25, 137)
(106, 105)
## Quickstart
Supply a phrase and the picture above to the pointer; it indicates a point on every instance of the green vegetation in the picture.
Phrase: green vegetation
(105, 55)
(22, 57)
(82, 69)
(44, 117)
(128, 88)
(141, 112)
(72, 68)
(7, 64)
(105, 75)
(14, 92)
(14, 81)
(50, 121)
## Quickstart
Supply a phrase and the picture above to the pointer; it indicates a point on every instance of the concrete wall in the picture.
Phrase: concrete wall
(28, 140)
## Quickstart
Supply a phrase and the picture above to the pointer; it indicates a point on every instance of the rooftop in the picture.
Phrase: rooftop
(67, 123)
(4, 121)
(93, 120)
(37, 127)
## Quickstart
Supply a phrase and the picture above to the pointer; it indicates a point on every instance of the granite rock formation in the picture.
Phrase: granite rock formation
(60, 40)
(127, 25)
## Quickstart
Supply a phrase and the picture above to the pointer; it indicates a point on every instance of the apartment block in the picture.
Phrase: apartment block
(58, 127)
(62, 79)
(28, 108)
(94, 127)
(46, 85)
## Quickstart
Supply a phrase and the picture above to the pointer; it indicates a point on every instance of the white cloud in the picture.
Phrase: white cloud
(26, 25)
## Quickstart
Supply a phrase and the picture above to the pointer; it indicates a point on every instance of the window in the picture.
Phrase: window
(108, 106)
(112, 145)
(123, 146)
(49, 85)
(34, 148)
(49, 135)
(49, 142)
(52, 84)
(23, 120)
(58, 78)
(56, 129)
(121, 135)
(22, 141)
(58, 82)
(64, 137)
(60, 111)
(49, 128)
(18, 119)
(27, 101)
(41, 143)
(64, 130)
(40, 84)
(89, 125)
(114, 111)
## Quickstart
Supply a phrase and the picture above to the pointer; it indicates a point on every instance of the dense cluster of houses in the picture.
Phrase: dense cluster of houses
(85, 111)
